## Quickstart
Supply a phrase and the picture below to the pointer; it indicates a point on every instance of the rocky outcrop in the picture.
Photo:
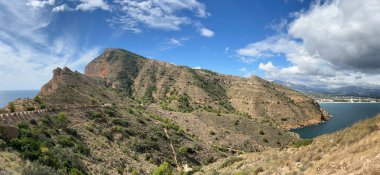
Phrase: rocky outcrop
(56, 81)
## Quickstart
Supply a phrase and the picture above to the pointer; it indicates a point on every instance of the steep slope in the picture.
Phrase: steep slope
(184, 89)
(353, 150)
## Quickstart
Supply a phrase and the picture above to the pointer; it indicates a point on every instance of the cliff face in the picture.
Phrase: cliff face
(157, 81)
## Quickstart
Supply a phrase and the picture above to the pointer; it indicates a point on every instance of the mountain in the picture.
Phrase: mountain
(128, 115)
(341, 91)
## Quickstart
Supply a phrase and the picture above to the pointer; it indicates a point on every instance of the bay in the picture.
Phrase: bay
(344, 115)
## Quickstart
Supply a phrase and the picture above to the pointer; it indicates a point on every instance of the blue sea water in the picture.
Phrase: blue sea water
(344, 115)
(8, 96)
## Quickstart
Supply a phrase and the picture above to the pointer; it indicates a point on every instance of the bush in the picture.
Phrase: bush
(38, 99)
(261, 132)
(29, 147)
(66, 142)
(120, 122)
(145, 146)
(12, 106)
(163, 169)
(94, 115)
(83, 149)
(30, 108)
(183, 150)
(72, 132)
(43, 106)
(75, 171)
(302, 142)
(184, 103)
(23, 125)
(62, 120)
(111, 112)
(3, 144)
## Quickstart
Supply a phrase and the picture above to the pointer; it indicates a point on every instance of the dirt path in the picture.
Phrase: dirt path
(173, 150)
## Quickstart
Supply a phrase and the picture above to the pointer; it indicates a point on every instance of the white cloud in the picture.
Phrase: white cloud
(206, 32)
(61, 8)
(175, 42)
(40, 3)
(90, 5)
(28, 52)
(163, 14)
(332, 43)
(197, 67)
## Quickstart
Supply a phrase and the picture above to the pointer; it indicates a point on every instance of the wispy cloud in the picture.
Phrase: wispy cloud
(90, 5)
(173, 42)
(28, 52)
(164, 14)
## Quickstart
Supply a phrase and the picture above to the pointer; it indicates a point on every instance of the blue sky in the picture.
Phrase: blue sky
(314, 43)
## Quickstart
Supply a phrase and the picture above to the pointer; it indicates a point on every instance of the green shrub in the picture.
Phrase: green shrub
(12, 106)
(163, 169)
(120, 122)
(183, 150)
(30, 108)
(38, 99)
(29, 147)
(145, 146)
(82, 149)
(72, 132)
(75, 171)
(184, 103)
(66, 142)
(43, 106)
(111, 112)
(23, 125)
(302, 142)
(94, 115)
(62, 119)
(261, 132)
(3, 144)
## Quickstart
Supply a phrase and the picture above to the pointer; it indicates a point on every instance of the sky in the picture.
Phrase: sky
(330, 43)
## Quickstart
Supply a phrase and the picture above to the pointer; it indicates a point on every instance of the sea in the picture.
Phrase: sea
(8, 96)
(343, 115)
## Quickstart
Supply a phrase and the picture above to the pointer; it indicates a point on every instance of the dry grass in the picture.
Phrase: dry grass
(353, 150)
(10, 163)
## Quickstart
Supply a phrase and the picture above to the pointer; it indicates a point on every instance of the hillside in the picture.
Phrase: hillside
(353, 150)
(184, 89)
(128, 115)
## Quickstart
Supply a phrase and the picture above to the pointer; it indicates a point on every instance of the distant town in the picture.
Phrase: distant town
(342, 99)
